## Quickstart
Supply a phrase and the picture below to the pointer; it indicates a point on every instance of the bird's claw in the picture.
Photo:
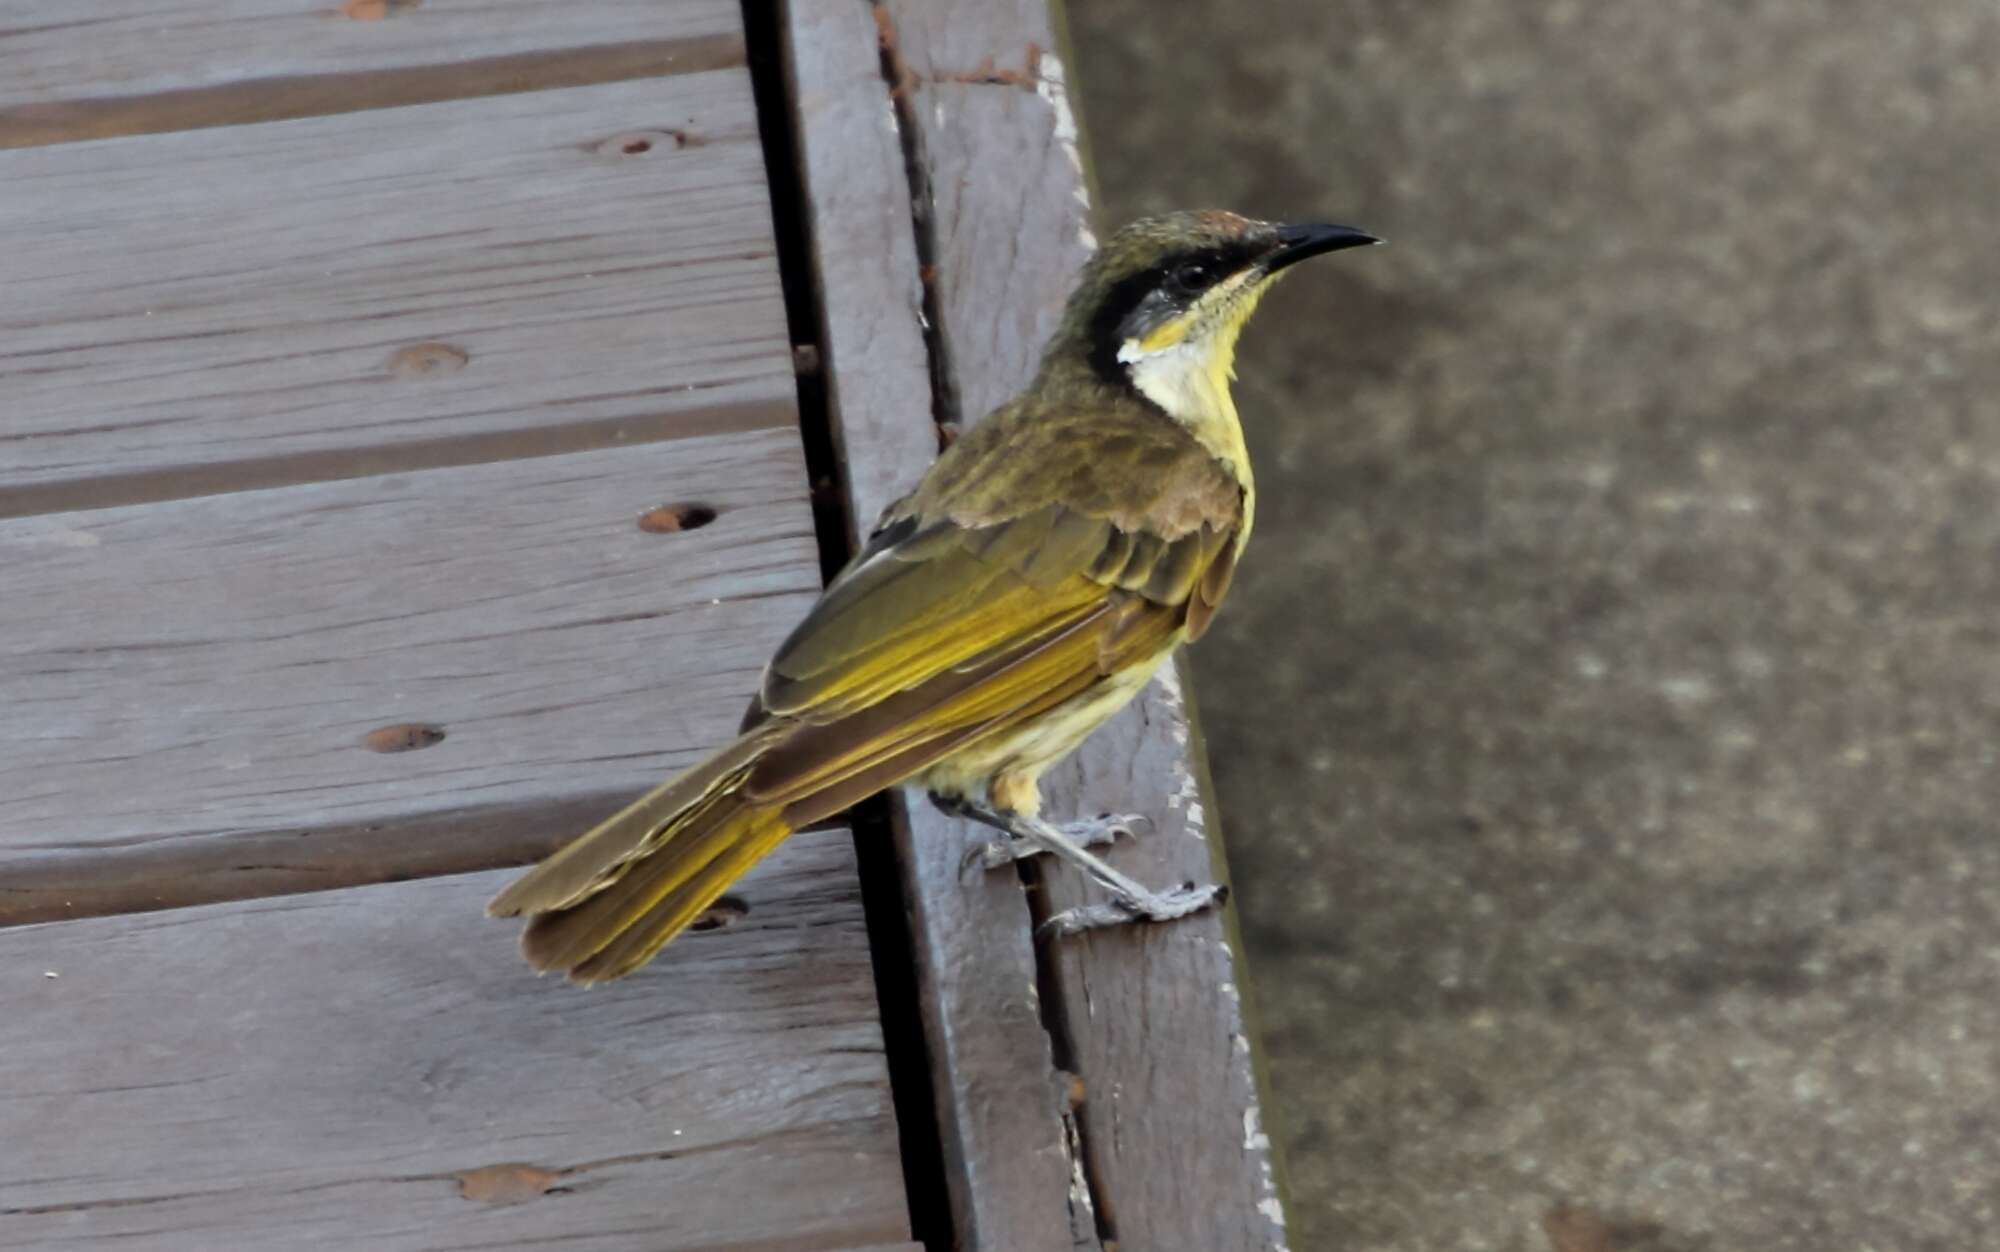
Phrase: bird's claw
(1107, 828)
(983, 858)
(1159, 906)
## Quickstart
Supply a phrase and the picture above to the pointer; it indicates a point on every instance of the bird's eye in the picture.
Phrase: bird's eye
(1190, 278)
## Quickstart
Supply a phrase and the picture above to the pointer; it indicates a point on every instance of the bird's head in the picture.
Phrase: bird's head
(1160, 305)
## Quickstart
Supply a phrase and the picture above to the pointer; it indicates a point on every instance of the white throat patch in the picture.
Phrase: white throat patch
(1180, 379)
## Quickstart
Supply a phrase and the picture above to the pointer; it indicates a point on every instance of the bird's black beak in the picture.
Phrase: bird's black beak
(1307, 239)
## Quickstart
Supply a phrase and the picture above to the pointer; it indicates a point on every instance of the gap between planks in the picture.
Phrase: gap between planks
(318, 95)
(287, 862)
(340, 464)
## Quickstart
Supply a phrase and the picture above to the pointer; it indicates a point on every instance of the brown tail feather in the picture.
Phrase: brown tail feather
(603, 905)
(751, 838)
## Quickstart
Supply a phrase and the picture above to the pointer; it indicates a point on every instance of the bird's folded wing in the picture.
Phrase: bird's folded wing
(942, 634)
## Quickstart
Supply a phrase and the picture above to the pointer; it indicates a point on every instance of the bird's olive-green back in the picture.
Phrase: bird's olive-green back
(1066, 498)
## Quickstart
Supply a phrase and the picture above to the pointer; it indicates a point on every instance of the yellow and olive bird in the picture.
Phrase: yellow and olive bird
(1027, 589)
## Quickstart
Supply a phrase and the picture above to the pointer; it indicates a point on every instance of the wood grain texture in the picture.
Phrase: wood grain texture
(276, 297)
(144, 53)
(371, 1068)
(996, 1090)
(1150, 1017)
(203, 674)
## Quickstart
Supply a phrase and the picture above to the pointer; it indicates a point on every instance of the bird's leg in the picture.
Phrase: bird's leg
(1130, 900)
(1106, 828)
(1094, 832)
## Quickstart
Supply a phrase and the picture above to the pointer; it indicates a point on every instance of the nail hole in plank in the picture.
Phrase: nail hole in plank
(403, 737)
(640, 142)
(428, 360)
(376, 10)
(669, 518)
(724, 913)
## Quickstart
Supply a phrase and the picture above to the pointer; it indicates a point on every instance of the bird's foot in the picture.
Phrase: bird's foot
(1148, 906)
(1094, 832)
(1131, 900)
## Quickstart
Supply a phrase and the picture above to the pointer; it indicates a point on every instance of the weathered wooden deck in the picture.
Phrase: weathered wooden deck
(403, 459)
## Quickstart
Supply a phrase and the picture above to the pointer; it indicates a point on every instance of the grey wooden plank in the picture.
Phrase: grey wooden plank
(1151, 1018)
(1155, 1017)
(864, 254)
(95, 50)
(259, 302)
(996, 1089)
(206, 671)
(1010, 215)
(373, 1068)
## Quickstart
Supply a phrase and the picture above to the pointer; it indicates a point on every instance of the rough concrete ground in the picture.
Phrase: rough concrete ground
(1605, 717)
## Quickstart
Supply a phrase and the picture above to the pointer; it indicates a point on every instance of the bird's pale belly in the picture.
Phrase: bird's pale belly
(1006, 768)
